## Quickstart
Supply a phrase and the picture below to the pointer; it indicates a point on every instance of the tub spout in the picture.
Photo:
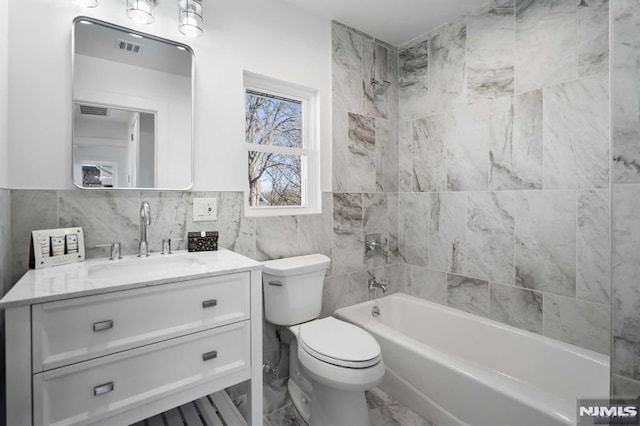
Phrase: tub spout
(373, 284)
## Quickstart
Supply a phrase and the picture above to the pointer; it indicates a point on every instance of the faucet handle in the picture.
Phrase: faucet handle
(166, 245)
(115, 250)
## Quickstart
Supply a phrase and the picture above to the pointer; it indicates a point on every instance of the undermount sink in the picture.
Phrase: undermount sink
(144, 267)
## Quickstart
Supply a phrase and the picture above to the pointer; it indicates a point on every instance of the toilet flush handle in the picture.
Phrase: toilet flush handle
(276, 283)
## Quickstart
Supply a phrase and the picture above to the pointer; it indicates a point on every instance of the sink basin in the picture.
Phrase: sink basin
(140, 268)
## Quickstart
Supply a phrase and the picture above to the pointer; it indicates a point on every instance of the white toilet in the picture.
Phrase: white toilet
(339, 360)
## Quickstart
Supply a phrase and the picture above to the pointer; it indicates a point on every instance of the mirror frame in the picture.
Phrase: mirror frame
(193, 83)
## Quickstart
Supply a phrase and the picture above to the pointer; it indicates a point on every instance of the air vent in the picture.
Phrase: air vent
(128, 46)
(94, 110)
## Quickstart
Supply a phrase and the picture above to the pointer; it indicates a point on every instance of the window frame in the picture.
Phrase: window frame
(310, 151)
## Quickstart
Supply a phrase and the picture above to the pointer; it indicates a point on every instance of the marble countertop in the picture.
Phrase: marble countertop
(93, 276)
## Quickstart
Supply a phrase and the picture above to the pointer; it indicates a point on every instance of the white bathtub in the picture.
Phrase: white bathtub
(456, 368)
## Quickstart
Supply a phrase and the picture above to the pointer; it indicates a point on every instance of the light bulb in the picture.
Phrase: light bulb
(190, 17)
(141, 11)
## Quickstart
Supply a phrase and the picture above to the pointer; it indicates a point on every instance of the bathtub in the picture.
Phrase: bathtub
(455, 368)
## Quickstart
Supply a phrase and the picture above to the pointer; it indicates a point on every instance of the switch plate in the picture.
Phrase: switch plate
(205, 209)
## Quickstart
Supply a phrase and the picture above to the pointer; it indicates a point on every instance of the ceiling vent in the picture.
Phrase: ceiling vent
(129, 46)
(94, 110)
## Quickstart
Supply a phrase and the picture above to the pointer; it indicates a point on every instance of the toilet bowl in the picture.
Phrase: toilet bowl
(332, 362)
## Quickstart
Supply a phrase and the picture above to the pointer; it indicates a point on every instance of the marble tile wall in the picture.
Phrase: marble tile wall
(5, 235)
(504, 166)
(625, 120)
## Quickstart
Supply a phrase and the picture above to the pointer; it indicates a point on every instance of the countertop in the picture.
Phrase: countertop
(88, 278)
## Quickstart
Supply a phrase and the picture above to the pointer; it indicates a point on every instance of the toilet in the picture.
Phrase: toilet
(332, 362)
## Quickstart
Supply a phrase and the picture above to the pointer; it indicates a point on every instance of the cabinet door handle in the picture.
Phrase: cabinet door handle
(210, 303)
(276, 283)
(210, 355)
(103, 325)
(102, 389)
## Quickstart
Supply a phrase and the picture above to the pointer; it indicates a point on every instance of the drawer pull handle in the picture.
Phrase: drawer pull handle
(276, 283)
(210, 355)
(102, 389)
(210, 303)
(103, 325)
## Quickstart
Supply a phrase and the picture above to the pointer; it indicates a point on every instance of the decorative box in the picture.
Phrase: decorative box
(203, 241)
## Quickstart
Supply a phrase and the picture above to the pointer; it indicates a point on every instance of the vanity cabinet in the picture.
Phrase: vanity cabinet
(114, 352)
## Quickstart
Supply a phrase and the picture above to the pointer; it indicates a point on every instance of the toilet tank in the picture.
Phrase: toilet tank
(292, 288)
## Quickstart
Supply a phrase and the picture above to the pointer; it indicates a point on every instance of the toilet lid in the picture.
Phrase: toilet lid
(339, 343)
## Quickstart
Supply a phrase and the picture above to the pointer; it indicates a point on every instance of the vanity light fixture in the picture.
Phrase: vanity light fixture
(141, 11)
(190, 17)
(85, 3)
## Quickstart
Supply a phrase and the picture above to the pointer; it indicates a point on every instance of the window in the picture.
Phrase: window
(282, 148)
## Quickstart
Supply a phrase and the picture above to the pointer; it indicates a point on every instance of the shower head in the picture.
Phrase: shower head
(379, 87)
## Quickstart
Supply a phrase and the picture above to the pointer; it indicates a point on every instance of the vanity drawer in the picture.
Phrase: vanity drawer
(75, 330)
(93, 390)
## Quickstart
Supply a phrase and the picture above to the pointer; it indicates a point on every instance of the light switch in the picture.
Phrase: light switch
(205, 209)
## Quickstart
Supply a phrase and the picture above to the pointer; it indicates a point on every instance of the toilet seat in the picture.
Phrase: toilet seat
(339, 343)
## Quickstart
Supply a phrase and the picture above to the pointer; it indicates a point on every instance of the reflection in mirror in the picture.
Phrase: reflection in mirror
(132, 109)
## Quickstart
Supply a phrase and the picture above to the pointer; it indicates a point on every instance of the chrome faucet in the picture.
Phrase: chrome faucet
(373, 284)
(145, 220)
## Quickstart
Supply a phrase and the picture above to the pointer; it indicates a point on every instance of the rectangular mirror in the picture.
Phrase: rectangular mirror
(132, 109)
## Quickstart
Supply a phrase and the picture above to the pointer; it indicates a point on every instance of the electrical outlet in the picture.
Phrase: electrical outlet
(205, 209)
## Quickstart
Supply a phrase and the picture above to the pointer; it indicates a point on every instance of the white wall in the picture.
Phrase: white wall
(4, 147)
(135, 88)
(262, 36)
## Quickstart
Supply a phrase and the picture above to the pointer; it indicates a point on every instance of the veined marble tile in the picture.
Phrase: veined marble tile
(276, 237)
(389, 275)
(333, 294)
(576, 134)
(354, 146)
(30, 210)
(516, 307)
(5, 240)
(375, 66)
(515, 146)
(315, 231)
(392, 200)
(625, 110)
(414, 81)
(170, 211)
(580, 323)
(236, 231)
(105, 216)
(358, 287)
(393, 93)
(625, 17)
(276, 355)
(623, 386)
(593, 281)
(413, 228)
(448, 232)
(429, 154)
(424, 283)
(468, 148)
(447, 68)
(490, 53)
(285, 416)
(546, 241)
(546, 43)
(376, 221)
(626, 269)
(386, 148)
(348, 251)
(468, 294)
(347, 69)
(405, 157)
(593, 37)
(385, 411)
(490, 236)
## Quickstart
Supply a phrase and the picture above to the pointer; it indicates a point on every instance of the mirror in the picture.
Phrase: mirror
(132, 109)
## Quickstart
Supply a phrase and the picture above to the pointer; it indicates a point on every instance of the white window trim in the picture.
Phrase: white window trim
(311, 192)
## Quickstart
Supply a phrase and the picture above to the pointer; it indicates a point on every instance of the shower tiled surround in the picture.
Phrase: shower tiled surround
(504, 167)
(625, 119)
(5, 233)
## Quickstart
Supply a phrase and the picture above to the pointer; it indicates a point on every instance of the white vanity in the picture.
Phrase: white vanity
(113, 342)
